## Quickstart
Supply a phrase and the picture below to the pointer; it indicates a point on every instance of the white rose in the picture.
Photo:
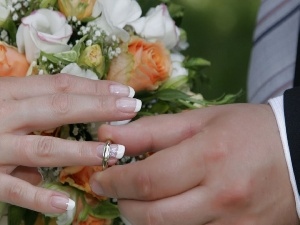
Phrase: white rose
(4, 11)
(115, 15)
(158, 25)
(177, 68)
(74, 69)
(43, 30)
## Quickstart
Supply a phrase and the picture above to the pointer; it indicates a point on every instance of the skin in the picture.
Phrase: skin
(41, 103)
(219, 165)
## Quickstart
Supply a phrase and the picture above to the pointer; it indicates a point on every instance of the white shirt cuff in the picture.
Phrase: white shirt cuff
(277, 106)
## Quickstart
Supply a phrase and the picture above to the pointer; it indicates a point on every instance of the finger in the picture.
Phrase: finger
(32, 86)
(156, 132)
(50, 111)
(46, 151)
(155, 177)
(189, 208)
(21, 193)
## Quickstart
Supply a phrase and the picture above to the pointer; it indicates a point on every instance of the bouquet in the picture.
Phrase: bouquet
(99, 39)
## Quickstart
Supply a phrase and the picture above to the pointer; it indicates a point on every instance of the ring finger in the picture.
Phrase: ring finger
(45, 151)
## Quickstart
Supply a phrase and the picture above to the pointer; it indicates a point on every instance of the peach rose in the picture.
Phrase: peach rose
(79, 176)
(12, 63)
(144, 67)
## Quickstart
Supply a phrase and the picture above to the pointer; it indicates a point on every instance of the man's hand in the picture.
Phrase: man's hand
(220, 165)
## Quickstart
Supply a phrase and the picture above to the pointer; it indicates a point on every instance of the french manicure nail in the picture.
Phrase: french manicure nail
(116, 151)
(61, 202)
(125, 221)
(129, 104)
(122, 90)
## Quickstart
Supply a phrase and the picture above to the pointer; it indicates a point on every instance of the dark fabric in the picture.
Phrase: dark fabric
(292, 122)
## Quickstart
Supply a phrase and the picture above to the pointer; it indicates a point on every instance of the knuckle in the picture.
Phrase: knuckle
(44, 147)
(14, 193)
(235, 196)
(60, 103)
(38, 199)
(62, 82)
(144, 191)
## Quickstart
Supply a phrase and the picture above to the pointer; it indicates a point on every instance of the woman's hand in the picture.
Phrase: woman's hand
(219, 165)
(44, 102)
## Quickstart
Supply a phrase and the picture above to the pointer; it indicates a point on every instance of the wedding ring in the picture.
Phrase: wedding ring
(106, 154)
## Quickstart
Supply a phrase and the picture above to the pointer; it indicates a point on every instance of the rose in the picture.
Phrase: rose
(158, 25)
(79, 176)
(81, 9)
(12, 63)
(115, 15)
(177, 67)
(74, 69)
(144, 67)
(4, 12)
(43, 30)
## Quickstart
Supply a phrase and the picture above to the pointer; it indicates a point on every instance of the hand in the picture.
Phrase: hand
(218, 165)
(44, 102)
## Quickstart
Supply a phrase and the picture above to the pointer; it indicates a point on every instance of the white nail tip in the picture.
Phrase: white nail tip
(138, 105)
(120, 152)
(70, 205)
(131, 92)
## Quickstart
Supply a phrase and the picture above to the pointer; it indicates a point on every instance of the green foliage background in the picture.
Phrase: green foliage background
(221, 32)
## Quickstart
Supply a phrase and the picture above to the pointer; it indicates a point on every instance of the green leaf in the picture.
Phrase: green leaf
(30, 217)
(174, 83)
(196, 63)
(106, 210)
(171, 94)
(15, 215)
(68, 56)
(47, 3)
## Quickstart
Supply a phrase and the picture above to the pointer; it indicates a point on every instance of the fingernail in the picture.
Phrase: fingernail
(61, 202)
(116, 151)
(125, 221)
(118, 123)
(122, 90)
(129, 104)
(96, 188)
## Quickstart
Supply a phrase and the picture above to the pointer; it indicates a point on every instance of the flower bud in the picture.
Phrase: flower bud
(93, 58)
(79, 8)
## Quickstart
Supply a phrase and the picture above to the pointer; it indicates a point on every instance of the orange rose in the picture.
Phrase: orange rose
(144, 67)
(12, 63)
(94, 221)
(79, 176)
(79, 8)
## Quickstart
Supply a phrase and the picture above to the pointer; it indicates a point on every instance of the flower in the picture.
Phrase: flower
(76, 70)
(43, 30)
(158, 25)
(81, 9)
(92, 57)
(116, 14)
(144, 67)
(79, 176)
(12, 63)
(178, 68)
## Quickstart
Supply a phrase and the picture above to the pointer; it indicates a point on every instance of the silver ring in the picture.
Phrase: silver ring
(106, 154)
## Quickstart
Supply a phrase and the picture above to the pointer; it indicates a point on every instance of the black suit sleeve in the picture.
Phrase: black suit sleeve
(292, 121)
